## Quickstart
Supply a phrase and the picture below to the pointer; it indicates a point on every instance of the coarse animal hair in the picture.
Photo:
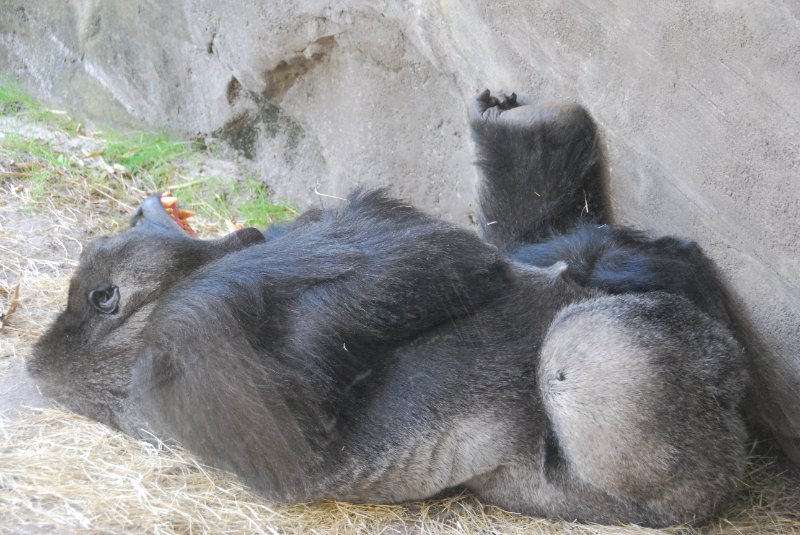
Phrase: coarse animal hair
(555, 365)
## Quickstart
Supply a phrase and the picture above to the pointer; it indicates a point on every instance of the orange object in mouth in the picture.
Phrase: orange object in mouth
(170, 204)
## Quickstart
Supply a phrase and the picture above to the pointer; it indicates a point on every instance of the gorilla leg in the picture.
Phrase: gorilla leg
(542, 170)
(542, 200)
(619, 260)
(642, 393)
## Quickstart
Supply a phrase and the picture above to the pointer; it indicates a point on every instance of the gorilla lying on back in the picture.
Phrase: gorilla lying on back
(370, 353)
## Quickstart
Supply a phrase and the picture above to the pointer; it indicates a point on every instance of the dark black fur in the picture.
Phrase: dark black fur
(558, 366)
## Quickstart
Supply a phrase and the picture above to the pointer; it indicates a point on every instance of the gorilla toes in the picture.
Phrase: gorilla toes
(506, 102)
(485, 105)
(561, 120)
(503, 101)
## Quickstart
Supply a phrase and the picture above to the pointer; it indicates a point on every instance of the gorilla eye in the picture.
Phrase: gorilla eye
(105, 299)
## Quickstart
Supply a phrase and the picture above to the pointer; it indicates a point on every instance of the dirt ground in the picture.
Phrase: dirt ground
(62, 473)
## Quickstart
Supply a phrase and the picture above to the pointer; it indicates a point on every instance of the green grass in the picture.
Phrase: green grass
(14, 101)
(40, 166)
(138, 161)
(16, 144)
(246, 201)
(258, 210)
(143, 152)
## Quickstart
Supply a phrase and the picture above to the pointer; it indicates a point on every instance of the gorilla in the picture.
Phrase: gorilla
(554, 364)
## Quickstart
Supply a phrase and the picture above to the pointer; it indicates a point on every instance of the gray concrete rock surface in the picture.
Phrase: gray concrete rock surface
(697, 102)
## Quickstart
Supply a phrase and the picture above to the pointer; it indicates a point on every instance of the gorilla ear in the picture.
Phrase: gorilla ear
(240, 239)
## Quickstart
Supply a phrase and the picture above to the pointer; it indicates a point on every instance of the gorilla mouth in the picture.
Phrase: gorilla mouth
(181, 217)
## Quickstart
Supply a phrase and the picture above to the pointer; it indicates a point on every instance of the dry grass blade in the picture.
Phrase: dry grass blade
(10, 306)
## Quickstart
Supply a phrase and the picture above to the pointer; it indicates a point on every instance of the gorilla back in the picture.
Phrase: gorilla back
(371, 353)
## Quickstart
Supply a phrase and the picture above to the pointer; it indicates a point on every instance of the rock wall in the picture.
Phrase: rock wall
(697, 102)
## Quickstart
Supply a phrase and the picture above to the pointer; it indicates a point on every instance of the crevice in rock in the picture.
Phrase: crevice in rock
(210, 46)
(243, 130)
(233, 90)
(282, 77)
(264, 116)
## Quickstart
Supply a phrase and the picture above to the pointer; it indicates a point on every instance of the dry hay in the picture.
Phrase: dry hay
(62, 473)
(60, 470)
